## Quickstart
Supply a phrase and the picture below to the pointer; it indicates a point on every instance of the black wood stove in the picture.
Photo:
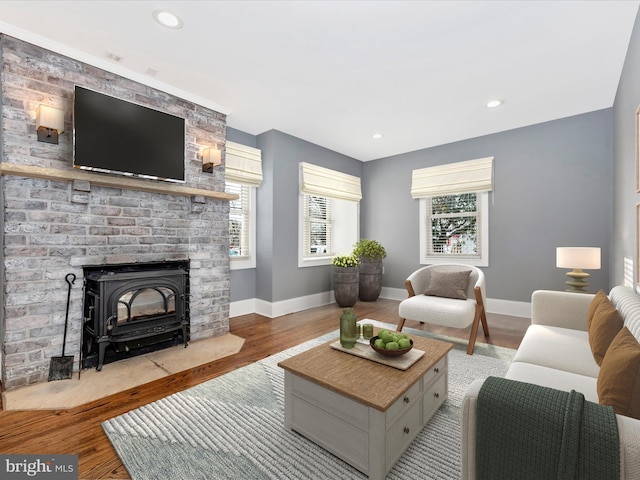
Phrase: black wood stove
(132, 309)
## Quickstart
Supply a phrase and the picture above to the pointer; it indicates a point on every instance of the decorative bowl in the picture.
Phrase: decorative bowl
(389, 353)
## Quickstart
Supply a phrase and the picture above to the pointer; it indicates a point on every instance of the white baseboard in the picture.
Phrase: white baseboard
(292, 305)
(278, 309)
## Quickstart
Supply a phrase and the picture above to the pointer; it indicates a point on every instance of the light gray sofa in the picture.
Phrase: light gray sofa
(555, 352)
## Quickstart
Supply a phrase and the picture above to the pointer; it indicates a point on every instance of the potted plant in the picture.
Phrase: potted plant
(370, 254)
(345, 279)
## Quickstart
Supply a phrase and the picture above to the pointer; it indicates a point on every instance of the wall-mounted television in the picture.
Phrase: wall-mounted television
(112, 135)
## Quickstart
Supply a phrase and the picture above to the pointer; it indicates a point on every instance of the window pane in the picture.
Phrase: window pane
(454, 204)
(454, 225)
(239, 220)
(317, 225)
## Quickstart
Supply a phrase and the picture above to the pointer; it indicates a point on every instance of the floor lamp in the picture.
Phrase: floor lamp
(578, 258)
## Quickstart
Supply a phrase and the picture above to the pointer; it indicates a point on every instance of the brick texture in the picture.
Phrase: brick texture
(51, 228)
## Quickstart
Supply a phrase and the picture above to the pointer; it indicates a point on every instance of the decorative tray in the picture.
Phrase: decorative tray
(365, 351)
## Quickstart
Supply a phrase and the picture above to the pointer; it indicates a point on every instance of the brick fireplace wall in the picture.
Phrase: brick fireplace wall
(52, 227)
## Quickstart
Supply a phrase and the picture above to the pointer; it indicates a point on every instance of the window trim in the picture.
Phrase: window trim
(483, 261)
(246, 262)
(318, 260)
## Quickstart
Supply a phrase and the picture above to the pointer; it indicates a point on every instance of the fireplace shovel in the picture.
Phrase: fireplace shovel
(61, 368)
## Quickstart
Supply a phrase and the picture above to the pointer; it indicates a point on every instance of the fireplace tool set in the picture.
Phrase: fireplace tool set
(61, 368)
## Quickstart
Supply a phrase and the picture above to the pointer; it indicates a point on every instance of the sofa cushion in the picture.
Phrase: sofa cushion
(619, 380)
(603, 327)
(560, 348)
(553, 378)
(597, 300)
(448, 284)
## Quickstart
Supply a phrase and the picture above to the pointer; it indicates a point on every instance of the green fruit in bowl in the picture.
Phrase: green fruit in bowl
(392, 346)
(379, 343)
(404, 343)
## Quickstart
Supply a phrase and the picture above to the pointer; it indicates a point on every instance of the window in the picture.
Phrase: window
(240, 215)
(243, 174)
(454, 211)
(329, 214)
(454, 228)
(317, 225)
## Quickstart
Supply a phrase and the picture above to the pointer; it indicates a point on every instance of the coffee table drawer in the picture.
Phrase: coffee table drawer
(402, 434)
(434, 396)
(405, 402)
(436, 370)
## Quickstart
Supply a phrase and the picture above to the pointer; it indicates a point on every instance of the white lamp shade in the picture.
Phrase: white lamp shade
(578, 257)
(212, 155)
(50, 117)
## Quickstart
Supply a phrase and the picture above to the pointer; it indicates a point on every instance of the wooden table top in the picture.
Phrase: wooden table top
(365, 381)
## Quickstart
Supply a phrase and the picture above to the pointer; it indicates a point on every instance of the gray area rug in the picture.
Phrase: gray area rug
(232, 427)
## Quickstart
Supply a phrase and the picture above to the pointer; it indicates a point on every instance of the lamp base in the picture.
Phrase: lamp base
(577, 283)
(47, 135)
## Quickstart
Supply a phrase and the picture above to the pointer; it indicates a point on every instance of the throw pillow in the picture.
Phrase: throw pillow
(605, 325)
(448, 284)
(599, 297)
(619, 378)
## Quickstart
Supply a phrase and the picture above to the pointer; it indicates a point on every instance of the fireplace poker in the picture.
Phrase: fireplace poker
(61, 368)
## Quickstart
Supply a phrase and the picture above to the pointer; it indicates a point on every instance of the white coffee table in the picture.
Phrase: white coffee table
(364, 412)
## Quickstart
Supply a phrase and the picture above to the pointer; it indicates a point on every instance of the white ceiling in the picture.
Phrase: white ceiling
(335, 72)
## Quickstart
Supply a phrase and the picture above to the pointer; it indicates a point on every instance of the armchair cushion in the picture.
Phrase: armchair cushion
(448, 284)
(619, 377)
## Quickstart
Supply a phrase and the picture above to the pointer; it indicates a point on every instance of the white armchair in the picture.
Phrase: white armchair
(440, 310)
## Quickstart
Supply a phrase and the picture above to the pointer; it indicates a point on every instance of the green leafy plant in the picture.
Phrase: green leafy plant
(345, 261)
(369, 249)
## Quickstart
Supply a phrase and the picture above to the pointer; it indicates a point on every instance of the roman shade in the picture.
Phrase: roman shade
(243, 164)
(453, 178)
(324, 182)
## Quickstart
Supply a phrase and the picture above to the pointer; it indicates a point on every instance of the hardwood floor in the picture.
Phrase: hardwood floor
(78, 430)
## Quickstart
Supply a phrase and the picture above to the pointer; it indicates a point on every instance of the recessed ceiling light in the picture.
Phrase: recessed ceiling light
(377, 136)
(494, 103)
(167, 19)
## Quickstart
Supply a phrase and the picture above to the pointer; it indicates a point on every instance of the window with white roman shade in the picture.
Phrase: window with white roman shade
(243, 174)
(329, 214)
(454, 224)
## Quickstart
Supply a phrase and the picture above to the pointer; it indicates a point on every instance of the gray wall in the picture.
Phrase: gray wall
(553, 187)
(625, 196)
(277, 274)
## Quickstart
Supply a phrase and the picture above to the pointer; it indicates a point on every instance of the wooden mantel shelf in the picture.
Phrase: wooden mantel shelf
(109, 181)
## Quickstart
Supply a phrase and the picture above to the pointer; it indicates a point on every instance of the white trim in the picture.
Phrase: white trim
(243, 263)
(292, 305)
(107, 65)
(483, 261)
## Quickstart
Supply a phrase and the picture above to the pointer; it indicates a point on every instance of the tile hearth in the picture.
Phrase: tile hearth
(119, 376)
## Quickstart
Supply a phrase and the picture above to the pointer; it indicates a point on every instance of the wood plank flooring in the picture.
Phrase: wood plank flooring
(78, 430)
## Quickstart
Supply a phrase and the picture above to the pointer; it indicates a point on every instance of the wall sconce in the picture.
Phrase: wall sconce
(50, 123)
(211, 157)
(578, 258)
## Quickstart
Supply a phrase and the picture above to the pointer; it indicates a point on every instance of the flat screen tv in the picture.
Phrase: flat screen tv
(116, 136)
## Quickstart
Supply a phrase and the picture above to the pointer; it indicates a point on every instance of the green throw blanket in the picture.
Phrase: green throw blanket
(526, 431)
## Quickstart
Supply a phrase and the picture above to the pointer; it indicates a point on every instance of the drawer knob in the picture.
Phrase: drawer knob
(436, 395)
(436, 370)
(407, 430)
(406, 400)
